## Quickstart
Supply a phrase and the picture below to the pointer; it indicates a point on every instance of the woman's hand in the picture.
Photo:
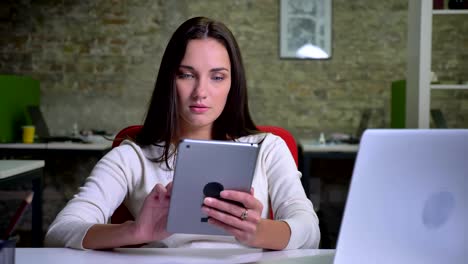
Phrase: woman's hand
(151, 222)
(241, 222)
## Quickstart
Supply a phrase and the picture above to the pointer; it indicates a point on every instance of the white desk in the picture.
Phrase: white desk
(158, 255)
(53, 149)
(15, 171)
(58, 146)
(10, 168)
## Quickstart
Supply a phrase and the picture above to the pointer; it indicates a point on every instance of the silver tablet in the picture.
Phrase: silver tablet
(204, 168)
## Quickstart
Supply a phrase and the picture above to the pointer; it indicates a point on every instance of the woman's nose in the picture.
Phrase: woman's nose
(200, 91)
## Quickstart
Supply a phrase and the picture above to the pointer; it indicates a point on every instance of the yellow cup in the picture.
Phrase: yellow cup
(28, 134)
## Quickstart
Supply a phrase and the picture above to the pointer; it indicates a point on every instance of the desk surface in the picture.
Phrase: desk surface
(160, 255)
(59, 146)
(13, 167)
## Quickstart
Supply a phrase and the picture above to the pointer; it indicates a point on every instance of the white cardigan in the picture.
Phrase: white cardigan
(127, 174)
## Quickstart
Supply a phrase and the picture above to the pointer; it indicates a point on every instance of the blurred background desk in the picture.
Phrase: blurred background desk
(327, 170)
(67, 165)
(20, 149)
(311, 150)
(16, 171)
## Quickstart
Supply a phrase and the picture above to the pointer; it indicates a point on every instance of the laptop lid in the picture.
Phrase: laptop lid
(408, 199)
(438, 118)
(38, 121)
(363, 123)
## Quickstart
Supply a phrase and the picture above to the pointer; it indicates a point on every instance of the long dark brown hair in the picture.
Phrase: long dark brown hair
(161, 125)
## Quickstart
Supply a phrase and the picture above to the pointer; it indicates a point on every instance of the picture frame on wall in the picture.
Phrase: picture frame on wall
(305, 29)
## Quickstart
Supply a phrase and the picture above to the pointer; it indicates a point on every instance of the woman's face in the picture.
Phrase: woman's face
(203, 82)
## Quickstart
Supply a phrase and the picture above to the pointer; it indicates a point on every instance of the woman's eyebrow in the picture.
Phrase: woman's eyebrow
(217, 69)
(187, 67)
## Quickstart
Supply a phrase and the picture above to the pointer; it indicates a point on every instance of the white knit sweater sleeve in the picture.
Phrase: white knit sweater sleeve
(288, 199)
(103, 191)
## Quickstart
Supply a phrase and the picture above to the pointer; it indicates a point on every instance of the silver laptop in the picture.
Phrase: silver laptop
(42, 130)
(408, 199)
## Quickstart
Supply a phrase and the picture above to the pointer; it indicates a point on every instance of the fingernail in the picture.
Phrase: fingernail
(208, 200)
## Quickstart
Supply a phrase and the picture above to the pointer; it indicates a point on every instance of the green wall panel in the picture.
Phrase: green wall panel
(398, 107)
(16, 93)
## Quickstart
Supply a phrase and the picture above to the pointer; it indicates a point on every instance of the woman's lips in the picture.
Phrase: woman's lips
(198, 109)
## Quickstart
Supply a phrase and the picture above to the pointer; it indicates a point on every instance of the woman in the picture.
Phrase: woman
(200, 93)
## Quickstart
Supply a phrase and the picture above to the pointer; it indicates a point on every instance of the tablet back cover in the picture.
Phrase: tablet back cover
(201, 167)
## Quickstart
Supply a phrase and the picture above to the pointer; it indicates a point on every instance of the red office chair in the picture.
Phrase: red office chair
(132, 131)
(122, 214)
(129, 132)
(286, 136)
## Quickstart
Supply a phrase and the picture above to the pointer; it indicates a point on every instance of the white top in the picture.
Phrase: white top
(170, 255)
(10, 168)
(127, 172)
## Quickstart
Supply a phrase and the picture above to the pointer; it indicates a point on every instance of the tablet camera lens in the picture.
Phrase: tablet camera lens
(213, 189)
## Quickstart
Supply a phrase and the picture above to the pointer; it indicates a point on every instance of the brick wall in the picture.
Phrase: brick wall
(97, 60)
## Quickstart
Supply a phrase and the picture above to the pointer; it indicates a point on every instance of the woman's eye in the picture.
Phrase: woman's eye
(185, 76)
(218, 78)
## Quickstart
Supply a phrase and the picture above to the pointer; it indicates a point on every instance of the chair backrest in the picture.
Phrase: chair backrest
(122, 214)
(286, 136)
(132, 132)
(129, 132)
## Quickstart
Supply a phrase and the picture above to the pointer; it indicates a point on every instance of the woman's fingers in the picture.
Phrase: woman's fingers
(152, 218)
(233, 214)
(169, 188)
(157, 189)
(248, 200)
(240, 221)
(161, 192)
(159, 196)
(239, 234)
(229, 220)
(224, 206)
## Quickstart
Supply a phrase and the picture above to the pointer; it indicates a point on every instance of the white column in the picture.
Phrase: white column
(418, 72)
